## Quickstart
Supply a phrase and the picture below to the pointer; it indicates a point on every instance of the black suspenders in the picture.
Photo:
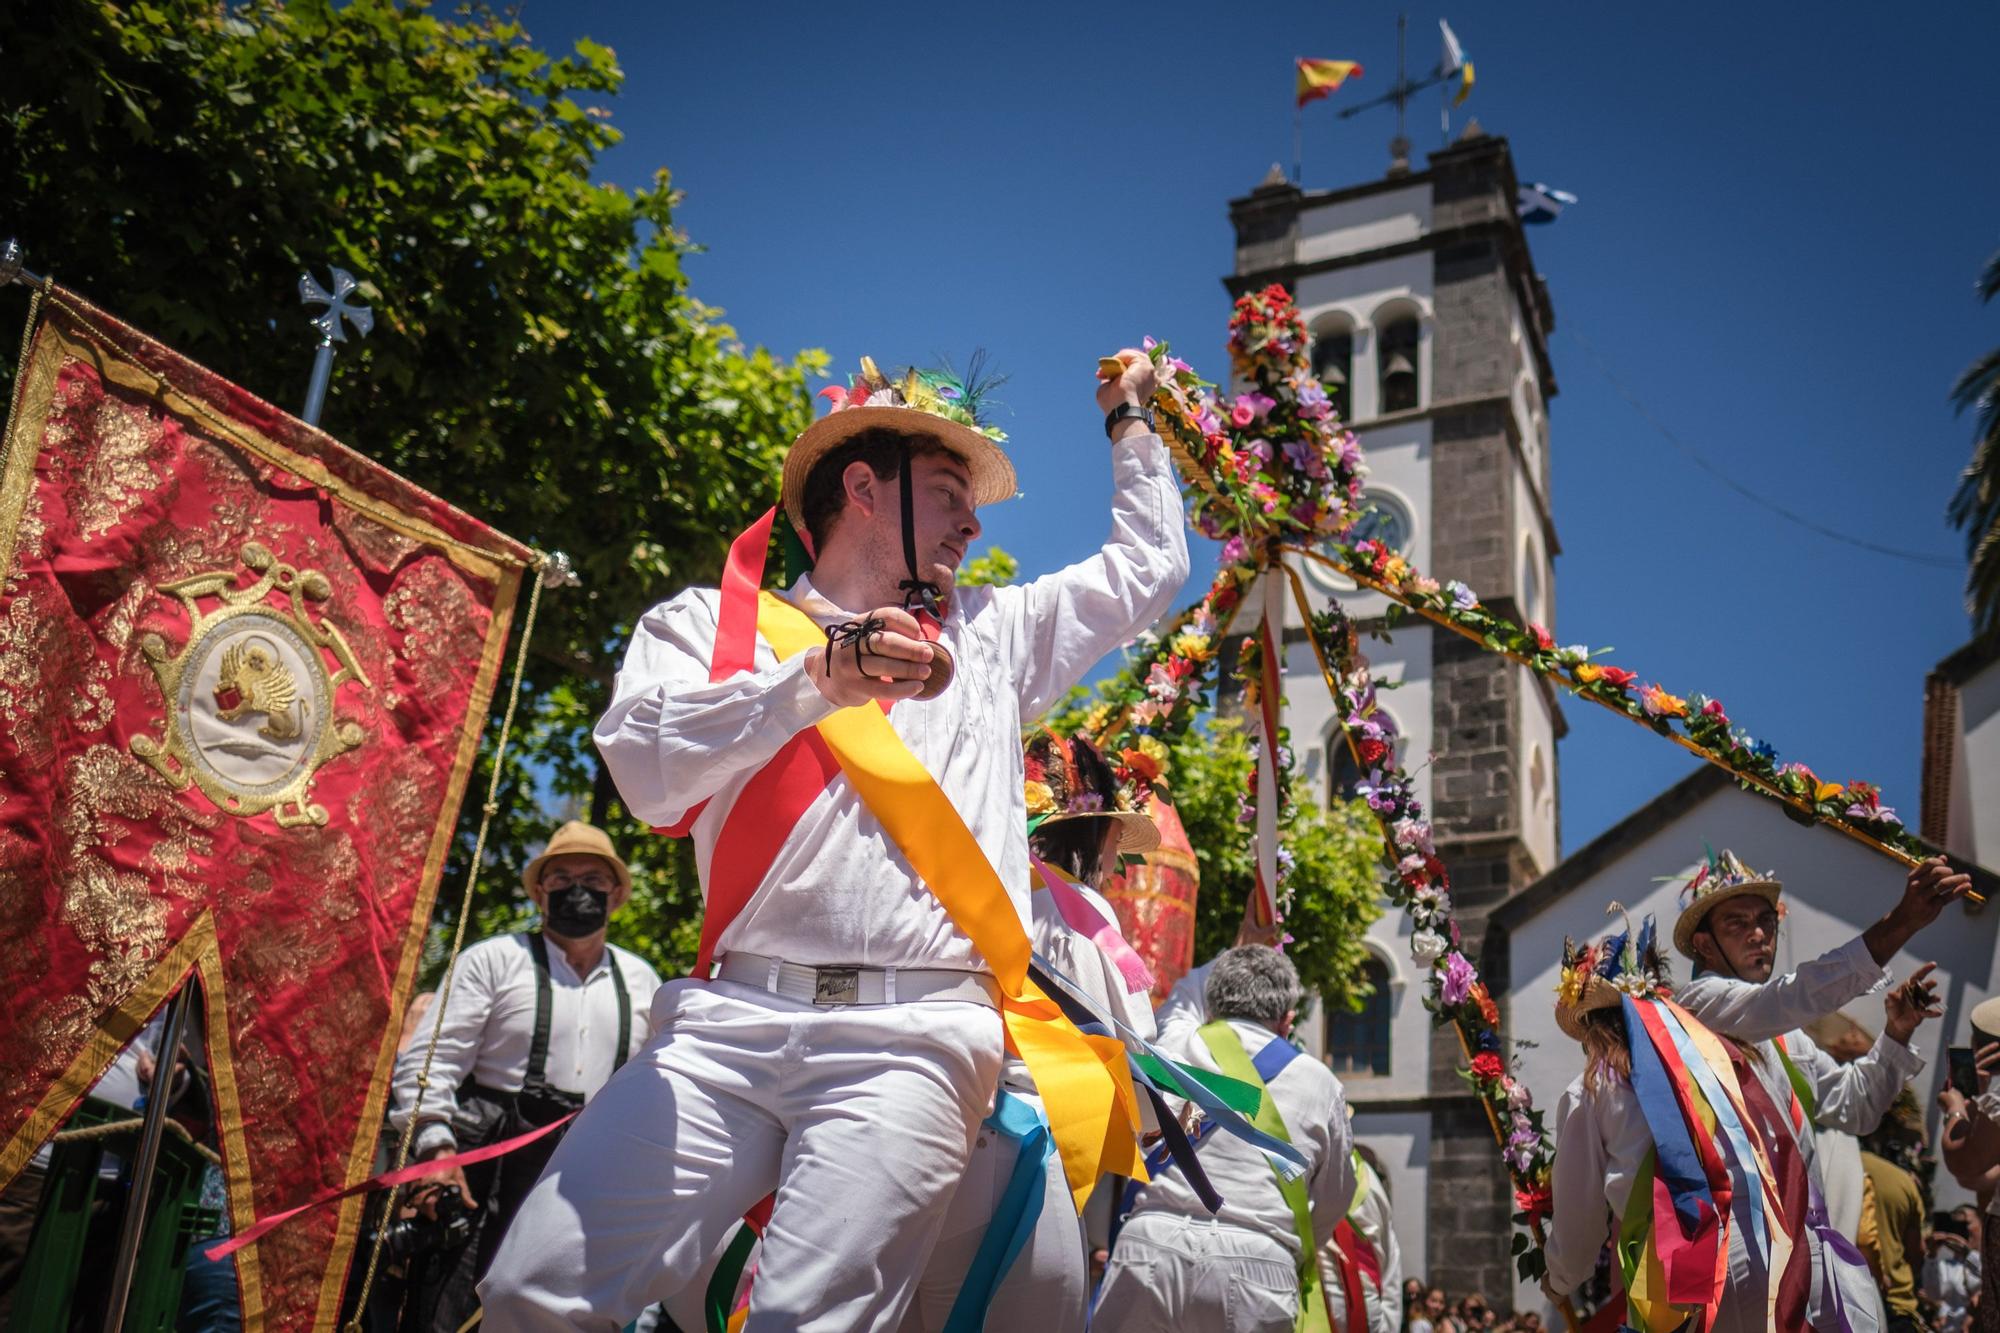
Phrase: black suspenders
(538, 1049)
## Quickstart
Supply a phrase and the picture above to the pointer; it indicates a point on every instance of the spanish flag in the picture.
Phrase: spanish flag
(1318, 78)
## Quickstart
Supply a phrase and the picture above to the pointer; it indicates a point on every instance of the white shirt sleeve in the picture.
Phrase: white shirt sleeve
(1581, 1222)
(1062, 623)
(1331, 1191)
(1854, 1096)
(1751, 1012)
(1186, 1005)
(671, 738)
(458, 1042)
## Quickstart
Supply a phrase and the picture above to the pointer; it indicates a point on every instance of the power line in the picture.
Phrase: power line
(1756, 498)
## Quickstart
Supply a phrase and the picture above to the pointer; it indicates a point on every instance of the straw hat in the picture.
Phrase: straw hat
(1069, 779)
(577, 838)
(1722, 877)
(936, 403)
(1986, 1022)
(1601, 975)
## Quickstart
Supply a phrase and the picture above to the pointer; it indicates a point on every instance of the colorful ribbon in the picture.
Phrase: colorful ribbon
(1082, 916)
(1016, 1216)
(402, 1175)
(1687, 1225)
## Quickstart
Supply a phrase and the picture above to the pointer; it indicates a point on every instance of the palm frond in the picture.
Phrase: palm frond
(1988, 285)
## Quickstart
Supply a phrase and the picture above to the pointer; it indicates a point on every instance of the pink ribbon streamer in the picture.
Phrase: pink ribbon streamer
(1082, 916)
(414, 1171)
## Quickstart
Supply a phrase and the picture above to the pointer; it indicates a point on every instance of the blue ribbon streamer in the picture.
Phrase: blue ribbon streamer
(1742, 1162)
(1676, 1161)
(1014, 1218)
(1285, 1158)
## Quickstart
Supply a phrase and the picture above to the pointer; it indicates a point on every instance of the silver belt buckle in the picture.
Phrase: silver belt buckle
(836, 985)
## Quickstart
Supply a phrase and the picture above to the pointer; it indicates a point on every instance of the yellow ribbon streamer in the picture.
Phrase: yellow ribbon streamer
(1085, 1081)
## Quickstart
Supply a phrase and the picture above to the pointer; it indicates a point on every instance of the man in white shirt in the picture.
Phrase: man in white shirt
(846, 1044)
(1375, 1254)
(1176, 1266)
(1729, 928)
(535, 1024)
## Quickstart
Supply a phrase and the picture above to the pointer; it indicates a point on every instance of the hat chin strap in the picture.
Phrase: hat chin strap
(919, 594)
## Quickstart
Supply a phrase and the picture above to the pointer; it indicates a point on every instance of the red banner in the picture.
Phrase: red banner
(243, 673)
(1155, 901)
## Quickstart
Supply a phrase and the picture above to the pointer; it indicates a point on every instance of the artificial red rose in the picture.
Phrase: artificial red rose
(1543, 639)
(1619, 676)
(1487, 1067)
(1372, 750)
(1535, 1201)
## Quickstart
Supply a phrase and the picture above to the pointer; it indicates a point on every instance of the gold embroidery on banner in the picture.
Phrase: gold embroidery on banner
(107, 473)
(436, 614)
(249, 701)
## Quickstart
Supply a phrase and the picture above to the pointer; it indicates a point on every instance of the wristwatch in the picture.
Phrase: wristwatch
(1127, 412)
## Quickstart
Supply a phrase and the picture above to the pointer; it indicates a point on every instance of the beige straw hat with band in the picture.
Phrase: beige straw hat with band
(577, 838)
(936, 403)
(1721, 877)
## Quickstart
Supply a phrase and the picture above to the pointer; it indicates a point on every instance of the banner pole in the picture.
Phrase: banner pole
(133, 1227)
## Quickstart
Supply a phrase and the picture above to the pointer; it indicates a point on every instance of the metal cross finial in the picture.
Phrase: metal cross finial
(329, 322)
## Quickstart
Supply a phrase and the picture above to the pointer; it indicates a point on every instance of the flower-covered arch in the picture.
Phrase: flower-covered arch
(1271, 473)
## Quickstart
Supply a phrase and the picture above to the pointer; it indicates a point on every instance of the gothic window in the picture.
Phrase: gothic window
(1532, 601)
(1357, 1045)
(1333, 361)
(1396, 363)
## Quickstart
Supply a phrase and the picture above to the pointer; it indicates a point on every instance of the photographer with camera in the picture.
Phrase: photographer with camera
(535, 1024)
(1969, 1137)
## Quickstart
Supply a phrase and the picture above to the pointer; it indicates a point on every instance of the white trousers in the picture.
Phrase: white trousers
(1170, 1273)
(1047, 1288)
(861, 1119)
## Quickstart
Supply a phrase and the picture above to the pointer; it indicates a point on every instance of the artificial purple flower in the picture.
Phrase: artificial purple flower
(1461, 596)
(1313, 402)
(1235, 550)
(1260, 403)
(1458, 978)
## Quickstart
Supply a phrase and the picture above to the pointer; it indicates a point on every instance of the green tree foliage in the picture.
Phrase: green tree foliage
(1975, 507)
(994, 567)
(537, 358)
(1334, 878)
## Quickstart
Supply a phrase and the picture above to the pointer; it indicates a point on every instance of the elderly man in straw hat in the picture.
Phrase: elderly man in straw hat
(1252, 1266)
(841, 1040)
(1729, 928)
(535, 1024)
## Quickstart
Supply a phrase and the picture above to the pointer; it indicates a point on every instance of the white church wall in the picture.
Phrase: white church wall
(1979, 764)
(1834, 888)
(1401, 1140)
(1353, 226)
(1359, 292)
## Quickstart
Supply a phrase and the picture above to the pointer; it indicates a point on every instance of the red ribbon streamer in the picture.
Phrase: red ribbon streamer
(402, 1175)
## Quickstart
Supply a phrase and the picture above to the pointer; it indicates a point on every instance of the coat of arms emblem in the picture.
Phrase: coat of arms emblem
(250, 699)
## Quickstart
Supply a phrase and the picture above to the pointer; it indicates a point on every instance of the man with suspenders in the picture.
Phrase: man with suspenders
(1252, 1267)
(535, 1024)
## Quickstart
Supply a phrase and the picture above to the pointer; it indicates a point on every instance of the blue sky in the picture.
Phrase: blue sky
(1781, 219)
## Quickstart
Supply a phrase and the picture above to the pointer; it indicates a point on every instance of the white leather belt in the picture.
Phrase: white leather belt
(837, 987)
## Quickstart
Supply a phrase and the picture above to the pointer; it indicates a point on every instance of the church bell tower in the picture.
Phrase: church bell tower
(1430, 331)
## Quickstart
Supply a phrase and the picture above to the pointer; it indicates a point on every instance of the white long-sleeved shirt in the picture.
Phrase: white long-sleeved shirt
(1853, 1096)
(1078, 958)
(839, 891)
(1186, 1005)
(489, 1026)
(1370, 1217)
(1314, 1109)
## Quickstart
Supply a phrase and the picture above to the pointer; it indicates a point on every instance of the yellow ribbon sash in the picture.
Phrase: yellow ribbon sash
(1085, 1081)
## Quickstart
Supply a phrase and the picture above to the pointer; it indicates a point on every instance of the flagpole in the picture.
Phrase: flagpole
(1298, 140)
(133, 1226)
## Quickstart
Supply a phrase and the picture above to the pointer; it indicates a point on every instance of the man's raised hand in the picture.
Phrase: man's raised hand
(1135, 384)
(890, 662)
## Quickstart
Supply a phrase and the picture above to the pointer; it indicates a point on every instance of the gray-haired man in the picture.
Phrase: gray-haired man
(1175, 1266)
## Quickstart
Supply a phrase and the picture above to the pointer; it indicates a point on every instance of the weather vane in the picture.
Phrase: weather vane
(329, 323)
(1453, 64)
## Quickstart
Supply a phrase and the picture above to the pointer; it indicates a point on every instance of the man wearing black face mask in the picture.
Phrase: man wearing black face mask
(535, 1024)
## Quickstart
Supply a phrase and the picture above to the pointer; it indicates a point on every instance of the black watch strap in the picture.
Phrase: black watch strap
(1127, 412)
